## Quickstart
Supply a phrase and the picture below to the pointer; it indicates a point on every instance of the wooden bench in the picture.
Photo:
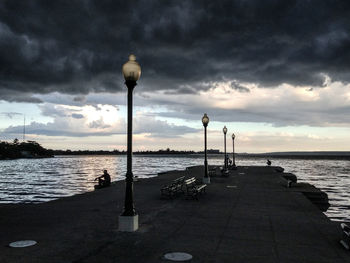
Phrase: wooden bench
(174, 188)
(224, 173)
(193, 189)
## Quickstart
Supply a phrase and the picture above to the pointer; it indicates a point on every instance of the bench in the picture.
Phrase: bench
(174, 188)
(193, 189)
(224, 173)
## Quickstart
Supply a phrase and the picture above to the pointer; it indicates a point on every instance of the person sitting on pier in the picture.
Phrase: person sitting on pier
(229, 161)
(104, 180)
(268, 162)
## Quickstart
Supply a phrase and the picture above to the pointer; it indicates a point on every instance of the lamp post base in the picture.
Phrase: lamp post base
(206, 180)
(128, 223)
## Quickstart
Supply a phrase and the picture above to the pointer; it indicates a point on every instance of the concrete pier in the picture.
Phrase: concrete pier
(249, 216)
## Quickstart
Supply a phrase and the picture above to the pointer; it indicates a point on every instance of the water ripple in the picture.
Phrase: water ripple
(42, 180)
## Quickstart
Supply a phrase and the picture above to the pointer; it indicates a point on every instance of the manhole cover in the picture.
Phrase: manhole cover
(23, 243)
(178, 256)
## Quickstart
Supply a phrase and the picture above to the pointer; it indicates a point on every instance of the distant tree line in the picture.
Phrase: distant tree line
(28, 149)
(117, 152)
(32, 149)
(167, 151)
(87, 152)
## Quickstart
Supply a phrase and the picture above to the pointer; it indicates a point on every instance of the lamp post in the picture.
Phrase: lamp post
(205, 121)
(128, 220)
(225, 159)
(233, 150)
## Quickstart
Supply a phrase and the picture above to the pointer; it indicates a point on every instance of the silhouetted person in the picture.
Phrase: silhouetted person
(268, 162)
(104, 180)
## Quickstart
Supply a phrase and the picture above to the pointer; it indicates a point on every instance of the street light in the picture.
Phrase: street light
(225, 160)
(205, 121)
(128, 220)
(233, 150)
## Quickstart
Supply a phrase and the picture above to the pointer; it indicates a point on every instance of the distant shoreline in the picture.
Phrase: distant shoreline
(306, 156)
(32, 149)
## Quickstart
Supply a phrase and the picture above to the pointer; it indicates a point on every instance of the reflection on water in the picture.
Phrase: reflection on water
(41, 180)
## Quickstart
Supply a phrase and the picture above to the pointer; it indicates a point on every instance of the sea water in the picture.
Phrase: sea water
(42, 180)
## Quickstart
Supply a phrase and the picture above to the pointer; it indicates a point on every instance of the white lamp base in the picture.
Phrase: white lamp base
(128, 223)
(206, 180)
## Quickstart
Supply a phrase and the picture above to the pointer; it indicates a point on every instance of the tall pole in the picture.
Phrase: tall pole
(205, 153)
(205, 121)
(225, 159)
(233, 152)
(129, 209)
(206, 174)
(129, 219)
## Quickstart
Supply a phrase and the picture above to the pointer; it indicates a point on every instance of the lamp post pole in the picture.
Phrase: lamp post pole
(128, 220)
(225, 159)
(205, 121)
(233, 150)
(129, 209)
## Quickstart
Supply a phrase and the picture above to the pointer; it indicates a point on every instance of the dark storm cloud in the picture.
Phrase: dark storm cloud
(77, 47)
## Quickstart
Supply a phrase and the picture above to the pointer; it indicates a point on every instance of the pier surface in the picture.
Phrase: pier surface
(250, 216)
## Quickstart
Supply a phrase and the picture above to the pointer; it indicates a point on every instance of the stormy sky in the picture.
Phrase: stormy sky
(279, 69)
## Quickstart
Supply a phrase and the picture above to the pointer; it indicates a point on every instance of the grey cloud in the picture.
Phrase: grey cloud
(12, 95)
(162, 129)
(278, 116)
(77, 116)
(99, 124)
(79, 99)
(78, 47)
(50, 129)
(93, 99)
(61, 126)
(10, 115)
(236, 86)
(185, 89)
(53, 111)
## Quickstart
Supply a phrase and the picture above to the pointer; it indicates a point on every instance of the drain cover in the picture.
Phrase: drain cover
(241, 173)
(178, 256)
(231, 186)
(23, 243)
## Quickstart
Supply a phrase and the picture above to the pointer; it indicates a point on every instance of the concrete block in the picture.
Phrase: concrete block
(206, 180)
(128, 223)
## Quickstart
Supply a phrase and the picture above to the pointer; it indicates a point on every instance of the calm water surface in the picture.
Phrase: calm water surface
(41, 180)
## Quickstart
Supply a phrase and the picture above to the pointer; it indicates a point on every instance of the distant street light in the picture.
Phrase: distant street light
(225, 159)
(128, 220)
(205, 121)
(233, 150)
